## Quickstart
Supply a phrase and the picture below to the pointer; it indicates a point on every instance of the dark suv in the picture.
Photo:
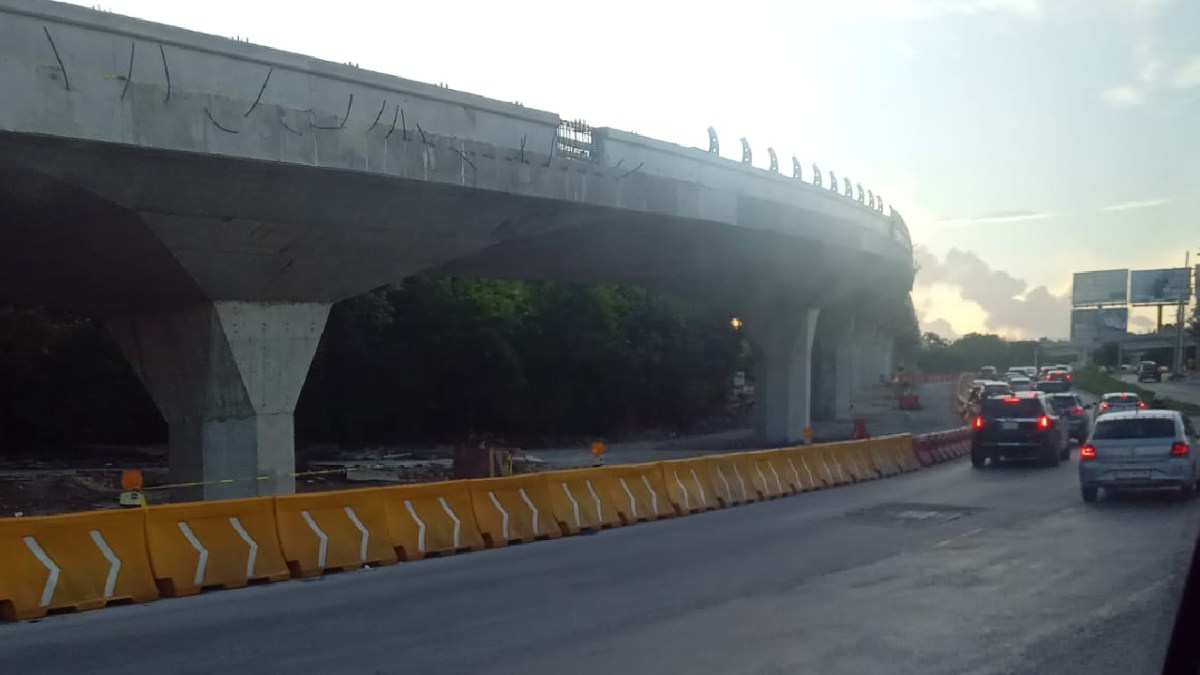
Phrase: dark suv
(1073, 411)
(1020, 426)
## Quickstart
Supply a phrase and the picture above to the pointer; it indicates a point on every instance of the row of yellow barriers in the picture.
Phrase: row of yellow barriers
(88, 560)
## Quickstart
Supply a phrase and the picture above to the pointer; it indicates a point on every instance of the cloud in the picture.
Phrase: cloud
(1000, 217)
(1136, 204)
(1187, 76)
(940, 326)
(1123, 96)
(915, 10)
(1011, 307)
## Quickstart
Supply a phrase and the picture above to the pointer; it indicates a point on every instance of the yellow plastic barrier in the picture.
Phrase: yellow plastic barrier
(856, 458)
(804, 473)
(791, 469)
(638, 492)
(338, 530)
(727, 480)
(885, 460)
(900, 446)
(833, 463)
(426, 519)
(226, 543)
(688, 486)
(581, 499)
(75, 561)
(513, 508)
(779, 479)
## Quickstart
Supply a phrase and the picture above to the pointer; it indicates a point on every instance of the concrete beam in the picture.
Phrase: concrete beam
(226, 377)
(783, 377)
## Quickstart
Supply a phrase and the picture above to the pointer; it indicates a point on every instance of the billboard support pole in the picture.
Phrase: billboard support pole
(1177, 364)
(1158, 329)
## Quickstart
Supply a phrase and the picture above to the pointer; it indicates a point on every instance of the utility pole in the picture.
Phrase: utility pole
(1177, 366)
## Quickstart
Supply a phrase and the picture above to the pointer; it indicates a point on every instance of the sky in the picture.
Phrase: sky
(1022, 140)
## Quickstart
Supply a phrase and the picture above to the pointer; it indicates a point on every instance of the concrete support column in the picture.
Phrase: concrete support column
(783, 373)
(832, 366)
(226, 377)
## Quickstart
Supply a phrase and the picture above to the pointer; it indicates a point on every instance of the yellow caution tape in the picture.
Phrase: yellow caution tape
(298, 474)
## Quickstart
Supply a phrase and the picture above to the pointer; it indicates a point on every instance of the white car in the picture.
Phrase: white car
(1020, 383)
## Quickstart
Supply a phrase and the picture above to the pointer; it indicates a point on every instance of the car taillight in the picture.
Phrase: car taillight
(1076, 410)
(1068, 377)
(1043, 422)
(1141, 404)
(977, 423)
(1179, 449)
(1104, 406)
(1087, 451)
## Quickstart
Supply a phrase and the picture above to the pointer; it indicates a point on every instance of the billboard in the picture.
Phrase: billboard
(1099, 325)
(1159, 287)
(1105, 287)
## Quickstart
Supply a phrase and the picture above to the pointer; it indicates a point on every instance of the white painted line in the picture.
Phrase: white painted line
(503, 513)
(687, 503)
(596, 498)
(738, 474)
(114, 563)
(632, 501)
(198, 579)
(323, 548)
(763, 476)
(828, 473)
(529, 503)
(795, 474)
(366, 534)
(728, 490)
(52, 570)
(574, 504)
(778, 483)
(252, 558)
(699, 486)
(457, 522)
(420, 526)
(653, 495)
(811, 481)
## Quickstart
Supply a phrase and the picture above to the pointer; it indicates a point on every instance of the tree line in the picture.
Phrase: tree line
(432, 360)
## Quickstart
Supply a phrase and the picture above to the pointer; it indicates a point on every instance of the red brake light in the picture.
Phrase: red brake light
(1068, 377)
(1043, 422)
(1011, 399)
(1124, 396)
(1141, 404)
(1104, 405)
(977, 423)
(1076, 410)
(1179, 449)
(1087, 451)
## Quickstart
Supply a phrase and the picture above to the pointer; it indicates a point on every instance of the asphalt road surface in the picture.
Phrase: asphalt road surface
(946, 570)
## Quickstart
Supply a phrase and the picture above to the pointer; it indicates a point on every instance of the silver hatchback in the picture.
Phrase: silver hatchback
(1139, 449)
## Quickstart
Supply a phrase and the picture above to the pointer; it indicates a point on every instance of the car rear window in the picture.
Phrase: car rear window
(1063, 401)
(996, 389)
(1134, 428)
(1000, 407)
(1127, 398)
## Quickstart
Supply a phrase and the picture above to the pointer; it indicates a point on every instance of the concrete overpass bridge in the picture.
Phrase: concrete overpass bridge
(209, 199)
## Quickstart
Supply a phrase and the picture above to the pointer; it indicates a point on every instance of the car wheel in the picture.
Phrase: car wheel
(1089, 493)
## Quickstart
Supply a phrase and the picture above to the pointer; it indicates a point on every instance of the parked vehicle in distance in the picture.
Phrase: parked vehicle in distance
(1020, 384)
(1139, 449)
(995, 388)
(988, 373)
(1118, 401)
(1069, 407)
(1019, 426)
(1053, 386)
(1148, 370)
